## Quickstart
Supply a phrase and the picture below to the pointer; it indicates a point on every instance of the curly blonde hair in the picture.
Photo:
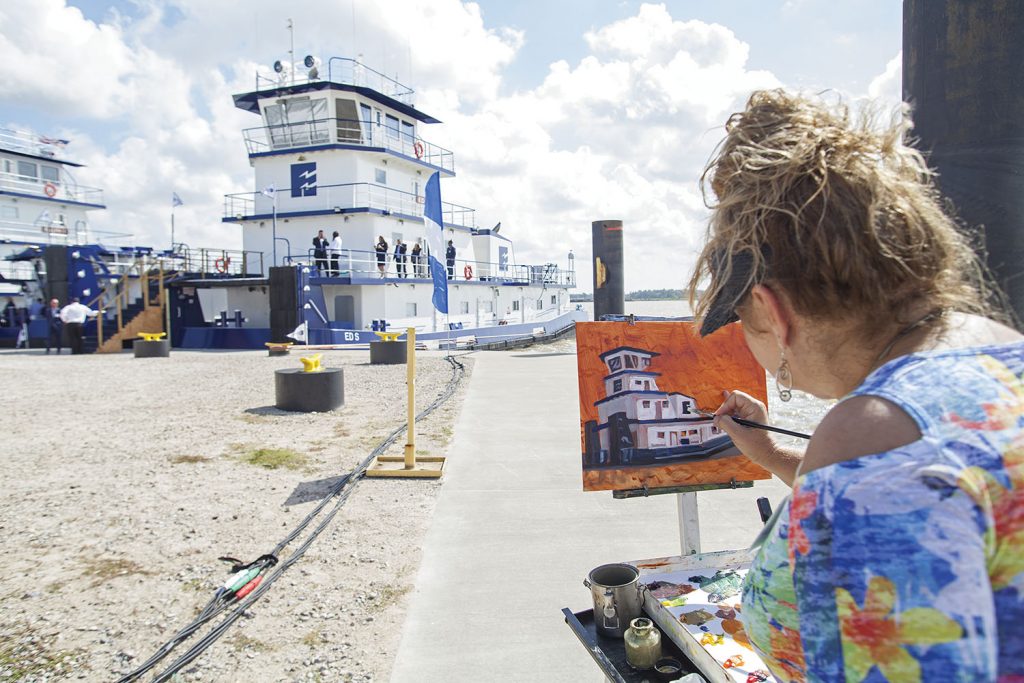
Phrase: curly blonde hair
(839, 214)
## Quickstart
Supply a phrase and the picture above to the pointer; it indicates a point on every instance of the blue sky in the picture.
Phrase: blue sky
(558, 112)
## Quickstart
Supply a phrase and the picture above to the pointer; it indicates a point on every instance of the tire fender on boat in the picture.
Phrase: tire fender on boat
(50, 190)
(221, 264)
(418, 149)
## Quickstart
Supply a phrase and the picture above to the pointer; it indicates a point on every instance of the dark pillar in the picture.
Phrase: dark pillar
(284, 302)
(609, 295)
(962, 73)
(55, 258)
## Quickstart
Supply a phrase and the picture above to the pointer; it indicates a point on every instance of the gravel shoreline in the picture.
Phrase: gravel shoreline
(126, 479)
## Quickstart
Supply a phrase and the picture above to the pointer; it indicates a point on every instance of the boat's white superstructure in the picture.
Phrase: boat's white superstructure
(343, 150)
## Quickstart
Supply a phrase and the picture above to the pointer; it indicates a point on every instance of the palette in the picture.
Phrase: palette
(695, 601)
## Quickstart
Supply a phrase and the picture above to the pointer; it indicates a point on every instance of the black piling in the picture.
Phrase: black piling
(962, 74)
(609, 283)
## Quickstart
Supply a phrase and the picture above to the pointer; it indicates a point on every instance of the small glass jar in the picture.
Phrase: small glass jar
(643, 644)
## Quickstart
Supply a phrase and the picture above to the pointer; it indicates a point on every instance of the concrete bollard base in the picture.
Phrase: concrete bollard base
(160, 348)
(388, 353)
(309, 392)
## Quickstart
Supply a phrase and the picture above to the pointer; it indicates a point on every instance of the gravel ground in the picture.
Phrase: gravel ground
(124, 480)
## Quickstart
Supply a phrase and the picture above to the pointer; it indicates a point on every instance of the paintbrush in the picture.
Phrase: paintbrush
(758, 425)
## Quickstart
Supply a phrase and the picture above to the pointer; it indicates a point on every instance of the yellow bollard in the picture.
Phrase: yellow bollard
(312, 363)
(152, 336)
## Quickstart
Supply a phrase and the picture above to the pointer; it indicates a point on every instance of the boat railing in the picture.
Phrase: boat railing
(50, 189)
(366, 264)
(346, 132)
(340, 70)
(339, 198)
(28, 142)
(218, 262)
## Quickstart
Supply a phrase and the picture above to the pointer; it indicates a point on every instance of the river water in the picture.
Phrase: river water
(802, 414)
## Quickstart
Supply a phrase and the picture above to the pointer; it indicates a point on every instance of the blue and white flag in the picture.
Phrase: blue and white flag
(434, 224)
(175, 200)
(270, 190)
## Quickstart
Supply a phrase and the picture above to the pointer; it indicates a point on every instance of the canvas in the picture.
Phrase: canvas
(641, 386)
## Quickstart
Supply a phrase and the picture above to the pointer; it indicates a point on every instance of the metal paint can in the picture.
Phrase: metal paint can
(618, 598)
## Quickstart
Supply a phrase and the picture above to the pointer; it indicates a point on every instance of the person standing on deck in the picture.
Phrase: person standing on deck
(320, 253)
(417, 260)
(449, 257)
(400, 259)
(54, 326)
(335, 252)
(382, 255)
(74, 316)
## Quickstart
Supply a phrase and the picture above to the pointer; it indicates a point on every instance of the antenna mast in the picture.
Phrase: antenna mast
(291, 52)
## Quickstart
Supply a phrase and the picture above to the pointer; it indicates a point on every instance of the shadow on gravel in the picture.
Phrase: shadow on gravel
(267, 410)
(309, 491)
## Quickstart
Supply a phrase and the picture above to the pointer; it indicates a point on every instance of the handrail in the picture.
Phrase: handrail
(61, 189)
(359, 132)
(342, 196)
(364, 263)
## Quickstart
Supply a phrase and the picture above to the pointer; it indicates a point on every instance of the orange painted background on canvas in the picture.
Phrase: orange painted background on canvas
(701, 368)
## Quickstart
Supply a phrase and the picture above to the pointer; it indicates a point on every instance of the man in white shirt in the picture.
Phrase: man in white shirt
(335, 252)
(74, 316)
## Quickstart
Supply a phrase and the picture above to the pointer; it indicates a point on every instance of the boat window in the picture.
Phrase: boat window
(617, 385)
(391, 123)
(554, 299)
(380, 176)
(51, 173)
(408, 132)
(464, 307)
(540, 304)
(348, 123)
(661, 435)
(645, 404)
(8, 166)
(410, 309)
(26, 169)
(515, 305)
(647, 362)
(630, 361)
(366, 115)
(614, 364)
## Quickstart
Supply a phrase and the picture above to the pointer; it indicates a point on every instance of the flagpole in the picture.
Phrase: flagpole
(172, 229)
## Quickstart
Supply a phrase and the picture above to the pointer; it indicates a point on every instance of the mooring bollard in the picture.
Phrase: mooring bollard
(152, 345)
(388, 351)
(278, 348)
(309, 389)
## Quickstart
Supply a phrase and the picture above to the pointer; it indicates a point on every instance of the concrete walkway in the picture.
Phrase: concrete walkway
(513, 535)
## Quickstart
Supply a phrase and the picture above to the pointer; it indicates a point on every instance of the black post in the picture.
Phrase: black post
(963, 75)
(284, 302)
(609, 292)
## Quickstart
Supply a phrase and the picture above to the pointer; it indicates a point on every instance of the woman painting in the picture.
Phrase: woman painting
(382, 255)
(900, 553)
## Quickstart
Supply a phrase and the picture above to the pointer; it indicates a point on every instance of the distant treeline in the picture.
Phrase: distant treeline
(654, 295)
(641, 295)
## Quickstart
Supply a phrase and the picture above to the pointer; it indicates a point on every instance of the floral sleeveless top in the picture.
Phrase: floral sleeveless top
(907, 565)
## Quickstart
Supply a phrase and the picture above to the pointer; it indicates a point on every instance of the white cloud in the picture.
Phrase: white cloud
(622, 133)
(887, 86)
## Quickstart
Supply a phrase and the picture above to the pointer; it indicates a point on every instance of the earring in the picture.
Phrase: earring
(784, 380)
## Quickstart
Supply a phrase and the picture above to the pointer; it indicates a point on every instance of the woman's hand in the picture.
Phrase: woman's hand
(754, 443)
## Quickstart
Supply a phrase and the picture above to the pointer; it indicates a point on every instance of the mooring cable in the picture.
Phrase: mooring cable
(216, 606)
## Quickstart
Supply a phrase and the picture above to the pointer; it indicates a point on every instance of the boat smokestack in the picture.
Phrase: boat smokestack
(609, 292)
(962, 74)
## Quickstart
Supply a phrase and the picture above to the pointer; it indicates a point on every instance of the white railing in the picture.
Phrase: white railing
(366, 264)
(338, 198)
(50, 189)
(28, 142)
(340, 70)
(346, 132)
(50, 232)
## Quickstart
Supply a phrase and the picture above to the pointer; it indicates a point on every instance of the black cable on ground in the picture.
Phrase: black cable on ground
(340, 491)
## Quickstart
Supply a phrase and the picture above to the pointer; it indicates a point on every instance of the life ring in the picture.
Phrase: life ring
(468, 272)
(418, 149)
(221, 264)
(50, 190)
